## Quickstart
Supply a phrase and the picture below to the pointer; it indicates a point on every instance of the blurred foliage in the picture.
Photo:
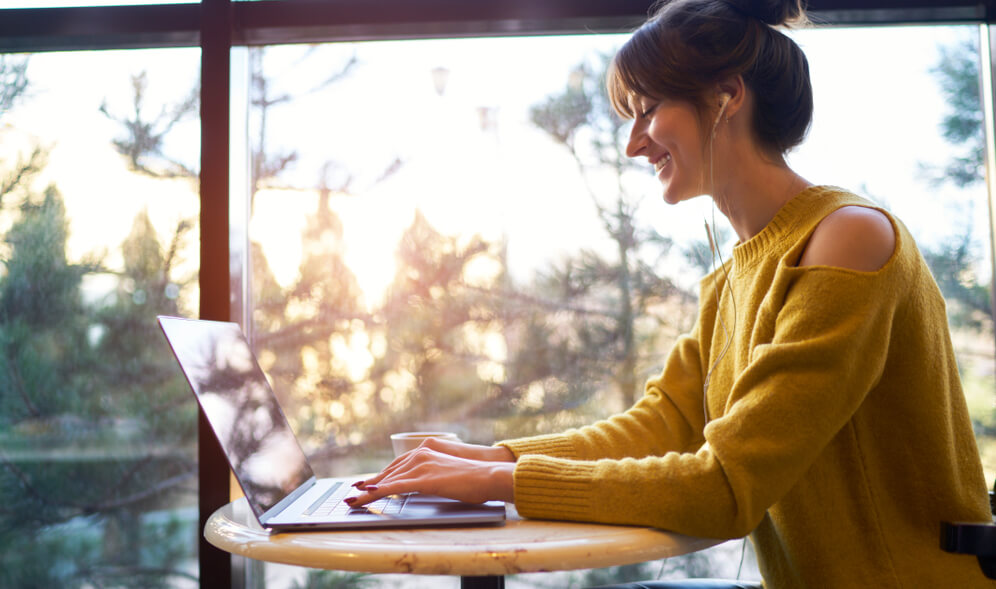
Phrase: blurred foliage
(956, 260)
(957, 74)
(697, 565)
(333, 580)
(97, 429)
(953, 261)
(601, 298)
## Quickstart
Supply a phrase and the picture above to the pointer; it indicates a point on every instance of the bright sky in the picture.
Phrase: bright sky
(877, 117)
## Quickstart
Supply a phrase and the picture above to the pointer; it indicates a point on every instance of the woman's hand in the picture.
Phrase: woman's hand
(465, 472)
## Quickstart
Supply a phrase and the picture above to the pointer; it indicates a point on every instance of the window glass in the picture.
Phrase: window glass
(98, 235)
(446, 235)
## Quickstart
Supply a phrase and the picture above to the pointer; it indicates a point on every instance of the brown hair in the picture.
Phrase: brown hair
(688, 46)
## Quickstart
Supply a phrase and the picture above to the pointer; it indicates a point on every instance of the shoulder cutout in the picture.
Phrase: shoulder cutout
(852, 237)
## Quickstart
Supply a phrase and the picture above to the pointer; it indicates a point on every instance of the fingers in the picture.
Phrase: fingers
(371, 493)
(401, 476)
(401, 483)
(399, 464)
(393, 467)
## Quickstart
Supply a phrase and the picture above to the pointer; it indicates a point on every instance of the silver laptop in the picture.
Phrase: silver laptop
(267, 459)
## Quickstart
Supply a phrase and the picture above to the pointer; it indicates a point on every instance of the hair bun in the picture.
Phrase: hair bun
(772, 12)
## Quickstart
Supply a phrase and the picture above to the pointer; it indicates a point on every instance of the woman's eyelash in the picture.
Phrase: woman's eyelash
(645, 113)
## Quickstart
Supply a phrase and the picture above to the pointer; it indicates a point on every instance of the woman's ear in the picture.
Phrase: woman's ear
(730, 96)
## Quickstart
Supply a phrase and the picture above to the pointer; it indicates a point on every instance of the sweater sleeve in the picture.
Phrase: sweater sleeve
(826, 349)
(668, 417)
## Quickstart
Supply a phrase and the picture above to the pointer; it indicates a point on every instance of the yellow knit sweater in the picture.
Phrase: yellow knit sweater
(838, 435)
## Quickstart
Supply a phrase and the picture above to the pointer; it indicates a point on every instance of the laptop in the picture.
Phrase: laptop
(272, 469)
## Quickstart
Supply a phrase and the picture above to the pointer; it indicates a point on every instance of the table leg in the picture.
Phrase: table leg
(494, 582)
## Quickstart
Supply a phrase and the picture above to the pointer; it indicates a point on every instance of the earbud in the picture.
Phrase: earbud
(724, 99)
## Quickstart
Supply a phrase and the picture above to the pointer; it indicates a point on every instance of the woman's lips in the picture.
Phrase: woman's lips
(662, 163)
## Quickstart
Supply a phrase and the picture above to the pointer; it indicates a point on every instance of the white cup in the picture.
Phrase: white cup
(405, 441)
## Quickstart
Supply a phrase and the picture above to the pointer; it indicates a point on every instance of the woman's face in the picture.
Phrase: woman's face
(669, 134)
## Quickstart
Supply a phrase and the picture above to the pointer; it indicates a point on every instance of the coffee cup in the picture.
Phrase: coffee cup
(405, 441)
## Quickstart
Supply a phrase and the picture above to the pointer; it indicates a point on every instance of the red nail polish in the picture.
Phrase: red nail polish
(358, 484)
(370, 488)
(350, 500)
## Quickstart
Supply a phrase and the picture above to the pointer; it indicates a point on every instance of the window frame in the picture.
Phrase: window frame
(218, 26)
(300, 21)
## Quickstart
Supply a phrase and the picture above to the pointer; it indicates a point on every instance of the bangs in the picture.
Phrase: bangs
(620, 93)
(649, 65)
(632, 73)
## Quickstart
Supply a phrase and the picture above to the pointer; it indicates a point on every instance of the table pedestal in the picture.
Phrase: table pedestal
(492, 582)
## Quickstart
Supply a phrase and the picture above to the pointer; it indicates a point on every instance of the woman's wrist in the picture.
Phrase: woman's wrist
(500, 453)
(503, 481)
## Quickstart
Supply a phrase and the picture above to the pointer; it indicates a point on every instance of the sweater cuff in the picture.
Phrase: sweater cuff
(555, 445)
(551, 488)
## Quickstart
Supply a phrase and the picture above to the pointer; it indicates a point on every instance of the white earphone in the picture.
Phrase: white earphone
(724, 99)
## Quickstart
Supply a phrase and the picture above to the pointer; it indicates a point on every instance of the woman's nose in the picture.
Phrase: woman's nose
(637, 140)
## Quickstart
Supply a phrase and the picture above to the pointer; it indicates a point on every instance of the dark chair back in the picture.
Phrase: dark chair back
(973, 538)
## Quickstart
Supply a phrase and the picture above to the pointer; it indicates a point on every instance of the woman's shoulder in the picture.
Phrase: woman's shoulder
(852, 237)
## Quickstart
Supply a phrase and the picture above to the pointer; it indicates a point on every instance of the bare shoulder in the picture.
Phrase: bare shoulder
(853, 237)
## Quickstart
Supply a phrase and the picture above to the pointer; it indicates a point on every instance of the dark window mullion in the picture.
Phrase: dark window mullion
(215, 285)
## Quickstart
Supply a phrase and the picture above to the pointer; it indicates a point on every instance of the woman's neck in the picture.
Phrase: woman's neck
(752, 198)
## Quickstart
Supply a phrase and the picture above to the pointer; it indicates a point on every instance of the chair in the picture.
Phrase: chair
(973, 538)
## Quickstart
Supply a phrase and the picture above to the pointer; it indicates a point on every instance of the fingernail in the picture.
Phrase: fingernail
(358, 484)
(350, 500)
(370, 488)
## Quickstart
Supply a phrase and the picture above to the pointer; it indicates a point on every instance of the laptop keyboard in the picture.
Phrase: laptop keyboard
(332, 503)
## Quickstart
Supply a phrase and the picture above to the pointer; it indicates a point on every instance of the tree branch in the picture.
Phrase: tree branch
(19, 385)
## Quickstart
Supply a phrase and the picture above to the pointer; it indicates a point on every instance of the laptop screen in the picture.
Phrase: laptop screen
(241, 407)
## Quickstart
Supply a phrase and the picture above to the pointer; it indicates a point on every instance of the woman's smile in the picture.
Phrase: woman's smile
(661, 164)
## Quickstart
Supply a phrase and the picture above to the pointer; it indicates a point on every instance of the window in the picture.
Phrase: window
(99, 211)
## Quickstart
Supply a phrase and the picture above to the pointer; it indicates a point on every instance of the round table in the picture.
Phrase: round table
(481, 555)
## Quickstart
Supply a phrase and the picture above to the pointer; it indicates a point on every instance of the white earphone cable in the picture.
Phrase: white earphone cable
(715, 251)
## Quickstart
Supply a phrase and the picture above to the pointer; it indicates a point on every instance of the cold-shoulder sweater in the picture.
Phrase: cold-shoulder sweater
(837, 433)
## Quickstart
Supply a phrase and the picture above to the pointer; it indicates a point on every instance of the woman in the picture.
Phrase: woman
(816, 403)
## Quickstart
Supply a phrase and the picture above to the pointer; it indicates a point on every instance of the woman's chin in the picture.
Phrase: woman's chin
(673, 197)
